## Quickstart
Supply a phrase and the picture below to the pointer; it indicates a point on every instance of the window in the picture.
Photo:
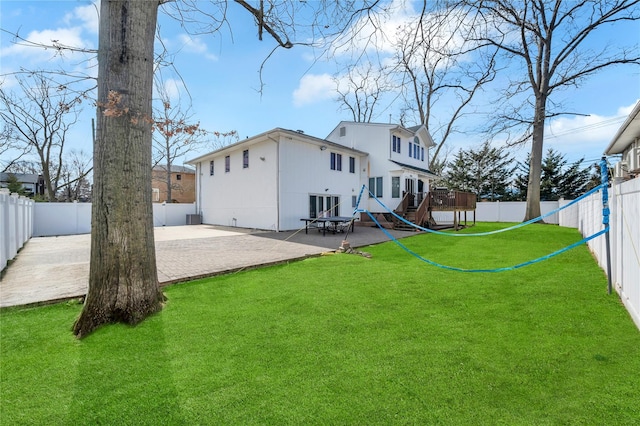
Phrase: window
(352, 164)
(410, 148)
(422, 153)
(375, 186)
(395, 187)
(343, 131)
(178, 177)
(396, 144)
(227, 164)
(245, 159)
(156, 194)
(211, 168)
(416, 148)
(320, 205)
(354, 201)
(336, 161)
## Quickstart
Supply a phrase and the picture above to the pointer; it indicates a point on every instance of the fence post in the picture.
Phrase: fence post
(4, 227)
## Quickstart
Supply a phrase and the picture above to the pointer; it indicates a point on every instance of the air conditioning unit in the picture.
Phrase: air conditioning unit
(194, 219)
(633, 159)
(620, 170)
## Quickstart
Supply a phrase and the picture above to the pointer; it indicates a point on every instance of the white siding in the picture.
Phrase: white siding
(305, 170)
(376, 139)
(241, 197)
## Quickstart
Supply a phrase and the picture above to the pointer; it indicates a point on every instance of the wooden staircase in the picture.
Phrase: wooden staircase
(410, 215)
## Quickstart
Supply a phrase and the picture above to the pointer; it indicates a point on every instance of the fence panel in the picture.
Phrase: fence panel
(506, 211)
(75, 218)
(624, 234)
(16, 219)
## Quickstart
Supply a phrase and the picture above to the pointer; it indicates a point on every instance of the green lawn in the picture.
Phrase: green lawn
(343, 339)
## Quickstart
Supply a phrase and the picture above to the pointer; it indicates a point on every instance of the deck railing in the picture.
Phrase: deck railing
(446, 200)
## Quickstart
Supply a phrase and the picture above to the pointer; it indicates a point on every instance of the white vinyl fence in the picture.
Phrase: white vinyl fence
(16, 224)
(75, 218)
(624, 234)
(506, 211)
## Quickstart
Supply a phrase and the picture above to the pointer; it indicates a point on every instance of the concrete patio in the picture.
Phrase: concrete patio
(51, 269)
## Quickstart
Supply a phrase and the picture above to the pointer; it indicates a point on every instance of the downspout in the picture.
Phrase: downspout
(199, 192)
(277, 141)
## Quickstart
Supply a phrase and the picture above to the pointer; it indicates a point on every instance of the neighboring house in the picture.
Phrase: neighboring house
(183, 184)
(627, 143)
(32, 183)
(272, 180)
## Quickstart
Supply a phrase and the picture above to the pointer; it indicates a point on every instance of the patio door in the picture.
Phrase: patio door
(329, 205)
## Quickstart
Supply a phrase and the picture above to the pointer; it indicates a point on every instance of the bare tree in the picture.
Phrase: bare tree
(361, 89)
(442, 68)
(75, 185)
(11, 150)
(549, 40)
(174, 136)
(41, 115)
(123, 282)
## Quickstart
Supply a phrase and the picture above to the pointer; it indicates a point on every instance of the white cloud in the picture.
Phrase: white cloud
(81, 20)
(313, 88)
(195, 45)
(29, 49)
(584, 136)
(174, 89)
(88, 16)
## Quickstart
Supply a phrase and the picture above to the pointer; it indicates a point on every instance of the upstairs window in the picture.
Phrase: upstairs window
(178, 177)
(227, 164)
(352, 164)
(422, 153)
(336, 161)
(343, 131)
(245, 159)
(211, 168)
(396, 144)
(410, 149)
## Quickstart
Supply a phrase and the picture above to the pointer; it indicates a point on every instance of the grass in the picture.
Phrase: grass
(343, 339)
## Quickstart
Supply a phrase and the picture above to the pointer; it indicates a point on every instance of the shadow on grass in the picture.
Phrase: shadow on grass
(124, 377)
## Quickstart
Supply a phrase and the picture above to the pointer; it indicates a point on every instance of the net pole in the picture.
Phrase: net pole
(604, 177)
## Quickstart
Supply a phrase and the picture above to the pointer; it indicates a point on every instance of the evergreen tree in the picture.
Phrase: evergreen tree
(558, 179)
(575, 181)
(552, 175)
(14, 186)
(485, 172)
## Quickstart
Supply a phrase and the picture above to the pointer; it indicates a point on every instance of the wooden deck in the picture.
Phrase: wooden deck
(419, 208)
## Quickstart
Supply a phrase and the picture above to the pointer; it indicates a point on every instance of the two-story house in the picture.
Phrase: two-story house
(398, 161)
(272, 180)
(183, 184)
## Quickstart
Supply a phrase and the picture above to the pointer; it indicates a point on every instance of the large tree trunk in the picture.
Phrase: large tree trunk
(123, 281)
(535, 161)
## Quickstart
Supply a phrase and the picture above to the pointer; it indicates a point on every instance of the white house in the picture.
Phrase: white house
(626, 142)
(272, 180)
(398, 160)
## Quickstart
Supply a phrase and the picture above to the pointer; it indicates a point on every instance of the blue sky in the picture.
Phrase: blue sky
(221, 73)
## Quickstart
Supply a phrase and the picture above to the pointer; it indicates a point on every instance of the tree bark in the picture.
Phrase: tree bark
(123, 281)
(532, 209)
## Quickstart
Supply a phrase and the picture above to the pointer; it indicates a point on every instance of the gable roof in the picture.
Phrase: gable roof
(420, 130)
(175, 169)
(627, 134)
(416, 169)
(21, 177)
(269, 134)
